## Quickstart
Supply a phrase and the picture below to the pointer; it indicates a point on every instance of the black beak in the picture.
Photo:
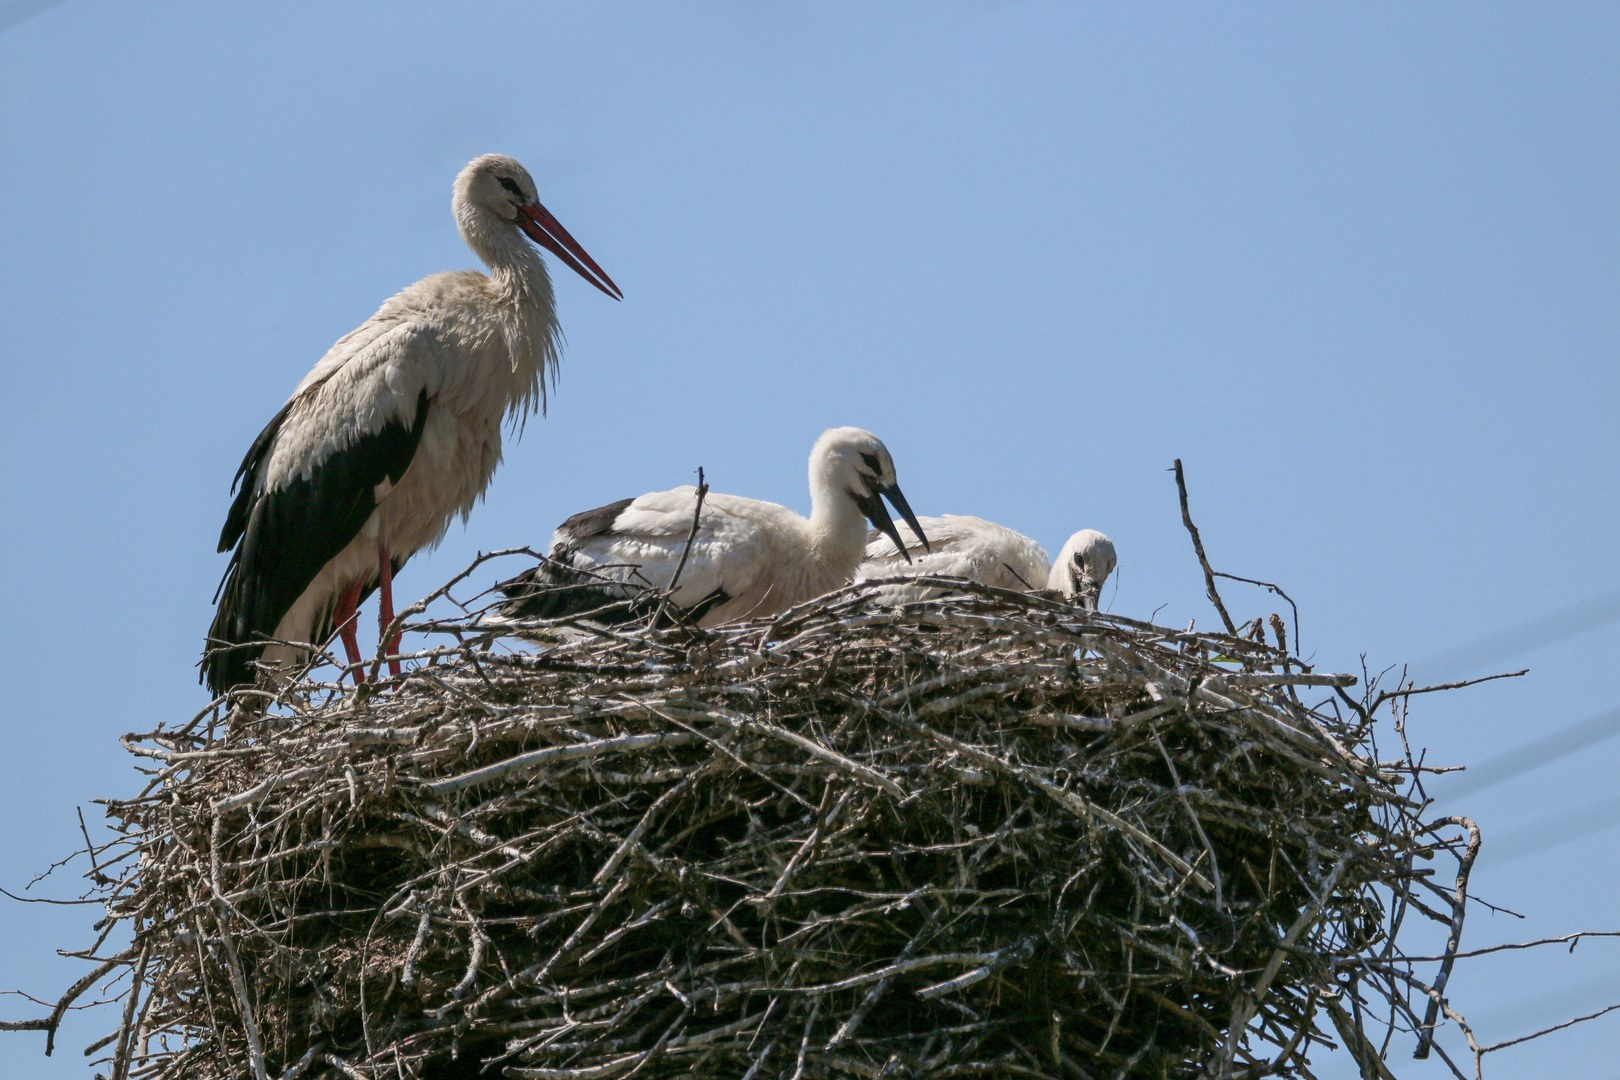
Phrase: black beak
(878, 514)
(899, 501)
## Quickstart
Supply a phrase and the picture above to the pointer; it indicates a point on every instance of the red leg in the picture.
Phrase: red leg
(385, 605)
(345, 615)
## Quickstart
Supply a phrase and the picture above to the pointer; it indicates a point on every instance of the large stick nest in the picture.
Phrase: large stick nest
(987, 834)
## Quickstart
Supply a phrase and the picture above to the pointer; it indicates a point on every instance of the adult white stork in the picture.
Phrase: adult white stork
(748, 558)
(1082, 565)
(991, 554)
(395, 432)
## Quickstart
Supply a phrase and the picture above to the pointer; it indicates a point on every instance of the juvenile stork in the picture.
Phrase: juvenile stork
(748, 558)
(1082, 565)
(991, 554)
(968, 547)
(395, 432)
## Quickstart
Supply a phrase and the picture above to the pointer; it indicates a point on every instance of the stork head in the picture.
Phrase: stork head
(498, 186)
(851, 461)
(1082, 566)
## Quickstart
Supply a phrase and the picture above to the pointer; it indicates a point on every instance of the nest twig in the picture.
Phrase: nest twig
(986, 834)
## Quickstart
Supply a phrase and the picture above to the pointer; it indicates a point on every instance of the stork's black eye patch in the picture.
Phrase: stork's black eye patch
(872, 462)
(511, 185)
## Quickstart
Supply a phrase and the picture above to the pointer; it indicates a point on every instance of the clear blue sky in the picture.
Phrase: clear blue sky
(1357, 265)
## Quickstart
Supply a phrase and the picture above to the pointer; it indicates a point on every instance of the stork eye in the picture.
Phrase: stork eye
(872, 462)
(511, 185)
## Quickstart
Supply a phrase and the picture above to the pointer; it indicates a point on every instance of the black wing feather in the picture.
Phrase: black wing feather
(591, 523)
(244, 482)
(557, 589)
(284, 537)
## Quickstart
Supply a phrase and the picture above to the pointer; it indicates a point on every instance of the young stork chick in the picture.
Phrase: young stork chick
(395, 432)
(968, 547)
(749, 559)
(1083, 564)
(990, 554)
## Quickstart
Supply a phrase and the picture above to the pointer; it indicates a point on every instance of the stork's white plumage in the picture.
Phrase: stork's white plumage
(990, 554)
(968, 547)
(748, 558)
(1082, 565)
(394, 433)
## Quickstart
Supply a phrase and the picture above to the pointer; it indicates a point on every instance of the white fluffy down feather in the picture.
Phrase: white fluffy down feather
(990, 554)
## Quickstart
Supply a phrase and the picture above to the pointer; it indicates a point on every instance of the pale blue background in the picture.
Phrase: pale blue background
(1356, 264)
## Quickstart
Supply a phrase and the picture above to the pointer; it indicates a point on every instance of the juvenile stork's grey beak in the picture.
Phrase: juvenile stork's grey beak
(878, 514)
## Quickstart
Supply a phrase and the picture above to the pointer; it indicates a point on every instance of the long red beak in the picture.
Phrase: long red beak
(536, 221)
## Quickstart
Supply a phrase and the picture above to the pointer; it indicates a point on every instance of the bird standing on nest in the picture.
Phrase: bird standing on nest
(747, 559)
(395, 432)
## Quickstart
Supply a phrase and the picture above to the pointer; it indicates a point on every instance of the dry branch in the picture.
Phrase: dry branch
(985, 834)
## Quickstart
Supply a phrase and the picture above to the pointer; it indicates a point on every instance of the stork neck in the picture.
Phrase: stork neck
(514, 264)
(523, 310)
(837, 526)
